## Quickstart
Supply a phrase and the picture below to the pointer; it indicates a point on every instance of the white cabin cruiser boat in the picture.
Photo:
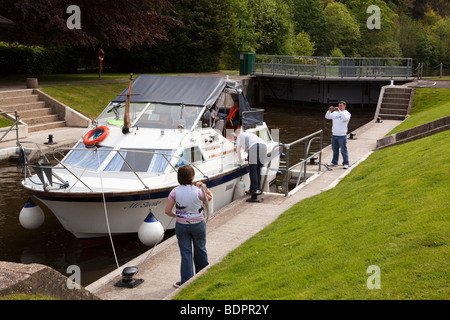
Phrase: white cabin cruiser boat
(126, 164)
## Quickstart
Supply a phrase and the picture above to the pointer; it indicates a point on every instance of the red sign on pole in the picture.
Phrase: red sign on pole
(101, 57)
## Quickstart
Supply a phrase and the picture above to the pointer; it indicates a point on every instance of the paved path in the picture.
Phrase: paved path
(231, 226)
(64, 137)
(442, 84)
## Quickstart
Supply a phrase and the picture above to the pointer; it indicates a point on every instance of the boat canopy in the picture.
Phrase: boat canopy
(188, 91)
(194, 91)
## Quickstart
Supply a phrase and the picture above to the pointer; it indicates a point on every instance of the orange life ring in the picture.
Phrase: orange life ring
(98, 134)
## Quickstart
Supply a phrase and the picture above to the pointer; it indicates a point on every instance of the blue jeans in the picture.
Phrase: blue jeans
(339, 142)
(189, 235)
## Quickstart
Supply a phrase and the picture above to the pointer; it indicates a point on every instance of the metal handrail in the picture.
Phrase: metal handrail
(78, 178)
(16, 124)
(341, 67)
(308, 140)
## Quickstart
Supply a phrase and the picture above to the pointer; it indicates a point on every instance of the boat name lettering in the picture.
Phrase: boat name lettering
(146, 204)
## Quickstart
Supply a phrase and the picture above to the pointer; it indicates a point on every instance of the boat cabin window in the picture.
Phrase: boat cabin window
(169, 116)
(264, 134)
(115, 111)
(190, 155)
(85, 157)
(140, 160)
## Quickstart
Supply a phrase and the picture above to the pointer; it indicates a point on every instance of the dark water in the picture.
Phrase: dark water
(295, 122)
(51, 245)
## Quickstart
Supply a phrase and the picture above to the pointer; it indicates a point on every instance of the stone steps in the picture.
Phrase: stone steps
(395, 103)
(33, 112)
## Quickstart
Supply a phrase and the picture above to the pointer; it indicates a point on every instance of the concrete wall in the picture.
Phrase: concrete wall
(72, 117)
(319, 92)
(415, 133)
(38, 279)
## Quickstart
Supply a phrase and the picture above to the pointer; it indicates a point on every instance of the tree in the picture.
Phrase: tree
(410, 32)
(342, 29)
(246, 39)
(302, 45)
(244, 34)
(440, 39)
(273, 25)
(425, 51)
(309, 17)
(207, 32)
(337, 53)
(122, 24)
(376, 42)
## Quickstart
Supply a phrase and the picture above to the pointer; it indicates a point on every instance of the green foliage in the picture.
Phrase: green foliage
(409, 33)
(343, 30)
(336, 52)
(302, 45)
(19, 59)
(376, 42)
(441, 40)
(198, 44)
(88, 99)
(5, 122)
(25, 296)
(273, 26)
(211, 33)
(309, 17)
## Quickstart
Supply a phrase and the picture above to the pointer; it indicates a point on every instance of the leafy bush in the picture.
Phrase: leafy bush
(16, 58)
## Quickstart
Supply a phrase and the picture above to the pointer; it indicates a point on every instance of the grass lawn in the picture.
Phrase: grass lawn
(394, 216)
(24, 296)
(429, 104)
(438, 79)
(5, 122)
(43, 78)
(88, 99)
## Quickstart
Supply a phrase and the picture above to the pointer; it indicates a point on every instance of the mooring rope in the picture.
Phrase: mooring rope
(106, 212)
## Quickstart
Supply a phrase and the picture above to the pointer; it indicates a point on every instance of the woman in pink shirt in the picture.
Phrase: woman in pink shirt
(190, 226)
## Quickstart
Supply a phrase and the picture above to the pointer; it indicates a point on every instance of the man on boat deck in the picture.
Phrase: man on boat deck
(233, 116)
(340, 118)
(256, 149)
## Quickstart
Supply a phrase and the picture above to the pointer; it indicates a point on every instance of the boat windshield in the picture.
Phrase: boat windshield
(155, 161)
(115, 111)
(169, 116)
(84, 157)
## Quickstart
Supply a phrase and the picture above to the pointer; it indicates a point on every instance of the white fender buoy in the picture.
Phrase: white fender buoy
(151, 231)
(239, 190)
(31, 216)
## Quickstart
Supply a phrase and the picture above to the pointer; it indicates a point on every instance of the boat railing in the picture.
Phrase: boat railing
(44, 167)
(288, 169)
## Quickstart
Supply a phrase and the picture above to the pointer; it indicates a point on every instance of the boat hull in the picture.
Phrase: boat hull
(93, 215)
